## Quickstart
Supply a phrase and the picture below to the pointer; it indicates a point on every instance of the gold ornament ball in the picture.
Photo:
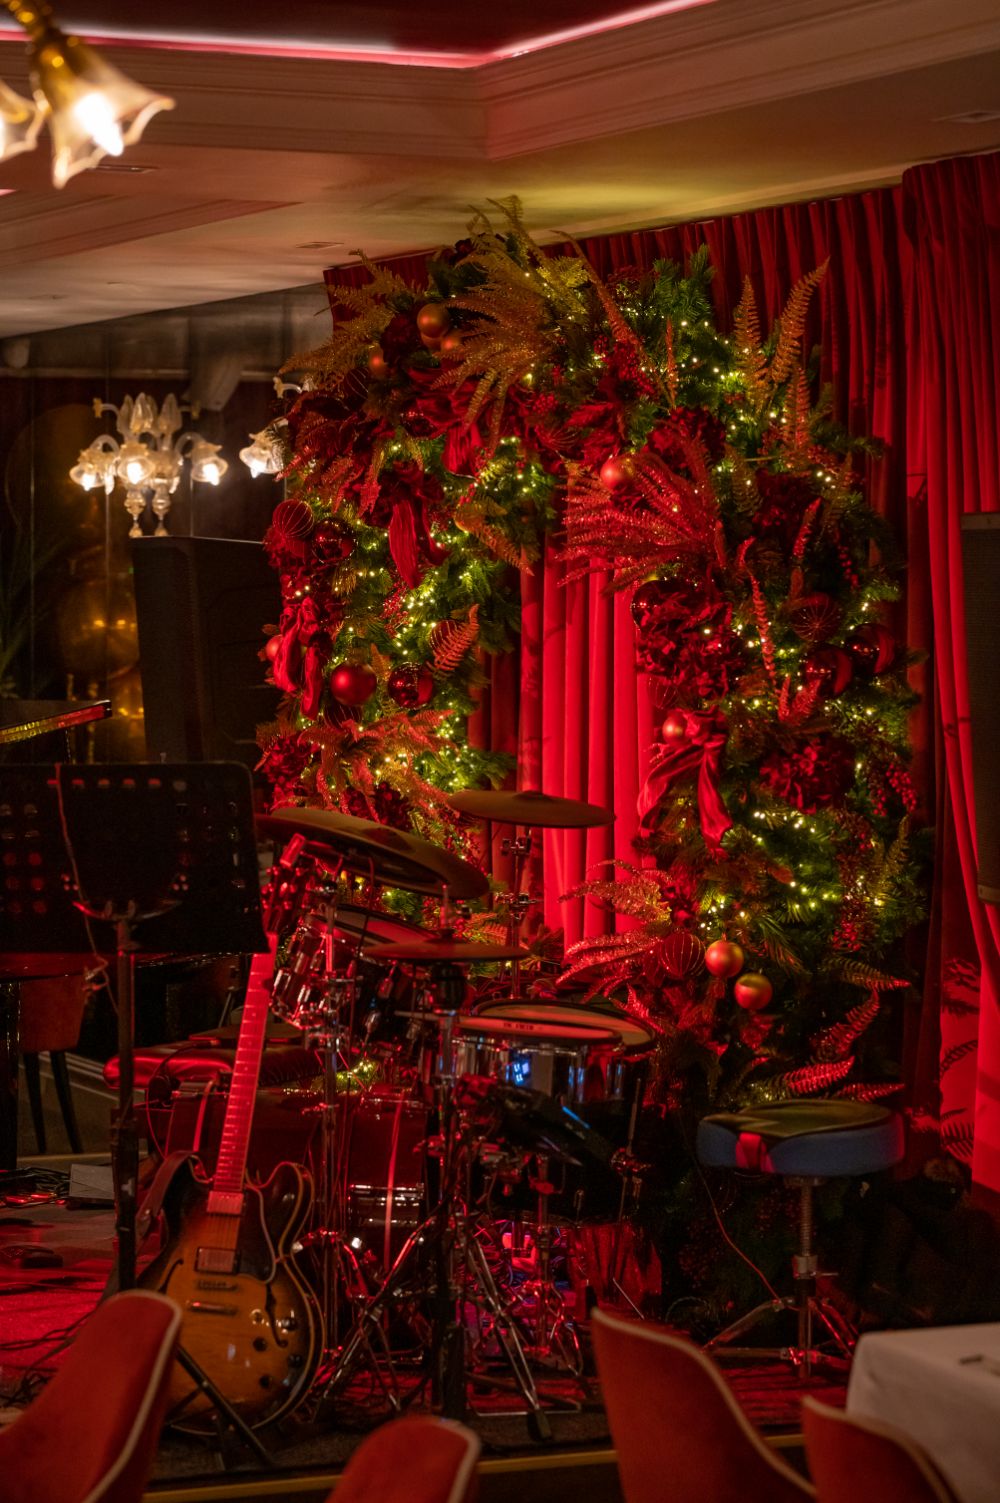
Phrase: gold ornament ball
(451, 345)
(433, 320)
(378, 365)
(753, 991)
(724, 958)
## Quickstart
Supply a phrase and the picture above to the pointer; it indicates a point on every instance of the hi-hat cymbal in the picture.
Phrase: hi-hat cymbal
(531, 808)
(386, 855)
(433, 951)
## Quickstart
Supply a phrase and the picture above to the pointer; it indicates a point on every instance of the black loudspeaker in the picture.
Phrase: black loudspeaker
(981, 571)
(201, 606)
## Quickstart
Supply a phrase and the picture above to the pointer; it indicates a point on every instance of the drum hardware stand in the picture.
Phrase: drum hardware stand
(517, 903)
(463, 1276)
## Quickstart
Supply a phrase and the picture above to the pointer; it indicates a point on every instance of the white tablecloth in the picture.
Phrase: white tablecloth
(942, 1388)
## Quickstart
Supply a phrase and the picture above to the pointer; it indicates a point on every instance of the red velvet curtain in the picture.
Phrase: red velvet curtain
(952, 212)
(908, 319)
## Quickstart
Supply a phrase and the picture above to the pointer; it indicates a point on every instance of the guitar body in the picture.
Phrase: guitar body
(249, 1321)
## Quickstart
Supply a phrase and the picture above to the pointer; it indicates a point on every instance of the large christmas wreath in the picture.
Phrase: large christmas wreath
(439, 434)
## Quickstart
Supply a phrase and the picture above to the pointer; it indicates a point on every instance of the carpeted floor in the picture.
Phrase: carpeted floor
(40, 1308)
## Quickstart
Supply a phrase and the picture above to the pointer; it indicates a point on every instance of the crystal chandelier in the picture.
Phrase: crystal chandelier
(93, 110)
(149, 459)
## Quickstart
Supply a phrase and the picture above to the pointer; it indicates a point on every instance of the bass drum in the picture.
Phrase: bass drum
(386, 1170)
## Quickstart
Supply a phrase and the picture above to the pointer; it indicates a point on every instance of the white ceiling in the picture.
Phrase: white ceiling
(272, 167)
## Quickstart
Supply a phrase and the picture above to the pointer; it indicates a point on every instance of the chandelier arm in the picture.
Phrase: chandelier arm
(36, 18)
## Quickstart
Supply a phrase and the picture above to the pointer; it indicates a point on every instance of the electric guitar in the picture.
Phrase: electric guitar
(249, 1322)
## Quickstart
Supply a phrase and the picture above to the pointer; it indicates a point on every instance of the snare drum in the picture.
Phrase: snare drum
(619, 1065)
(564, 1061)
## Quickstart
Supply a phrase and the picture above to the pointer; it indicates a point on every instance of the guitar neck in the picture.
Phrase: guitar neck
(232, 1161)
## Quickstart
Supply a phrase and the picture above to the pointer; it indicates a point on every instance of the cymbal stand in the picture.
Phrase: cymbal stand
(516, 902)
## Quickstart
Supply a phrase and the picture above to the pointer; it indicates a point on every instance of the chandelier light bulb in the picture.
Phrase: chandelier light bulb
(136, 465)
(20, 121)
(96, 116)
(84, 473)
(206, 463)
(264, 454)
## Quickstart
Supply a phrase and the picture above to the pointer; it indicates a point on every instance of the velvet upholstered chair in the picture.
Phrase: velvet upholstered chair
(679, 1433)
(91, 1434)
(412, 1460)
(859, 1461)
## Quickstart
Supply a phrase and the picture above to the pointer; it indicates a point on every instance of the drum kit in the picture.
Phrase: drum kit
(452, 1155)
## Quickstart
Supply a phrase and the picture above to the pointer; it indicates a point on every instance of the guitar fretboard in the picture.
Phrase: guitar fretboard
(227, 1184)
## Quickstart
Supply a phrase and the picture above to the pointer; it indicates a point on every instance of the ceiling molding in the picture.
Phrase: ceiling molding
(728, 56)
(303, 104)
(93, 223)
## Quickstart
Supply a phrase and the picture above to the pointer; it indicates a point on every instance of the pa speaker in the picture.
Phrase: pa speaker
(981, 570)
(201, 606)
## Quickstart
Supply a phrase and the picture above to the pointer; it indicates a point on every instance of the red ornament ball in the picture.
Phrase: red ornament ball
(410, 686)
(873, 649)
(674, 728)
(832, 666)
(378, 365)
(292, 520)
(271, 647)
(650, 594)
(332, 541)
(814, 618)
(616, 470)
(433, 321)
(753, 991)
(724, 958)
(451, 345)
(353, 683)
(680, 954)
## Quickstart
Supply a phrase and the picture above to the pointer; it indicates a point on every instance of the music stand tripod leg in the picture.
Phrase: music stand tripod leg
(126, 1145)
(224, 1410)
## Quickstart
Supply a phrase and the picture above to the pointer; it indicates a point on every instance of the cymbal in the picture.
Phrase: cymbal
(432, 951)
(391, 857)
(529, 807)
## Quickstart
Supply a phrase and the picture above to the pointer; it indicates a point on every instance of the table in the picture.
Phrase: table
(941, 1387)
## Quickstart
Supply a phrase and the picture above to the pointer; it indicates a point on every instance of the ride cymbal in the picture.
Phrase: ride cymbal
(388, 856)
(531, 808)
(432, 951)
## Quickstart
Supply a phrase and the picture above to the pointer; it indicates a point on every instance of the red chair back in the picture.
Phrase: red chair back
(91, 1434)
(412, 1460)
(679, 1433)
(858, 1461)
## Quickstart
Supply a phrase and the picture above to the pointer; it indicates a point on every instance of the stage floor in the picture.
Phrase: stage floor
(40, 1306)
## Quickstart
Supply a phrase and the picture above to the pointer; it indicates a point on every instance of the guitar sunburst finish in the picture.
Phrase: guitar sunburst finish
(249, 1322)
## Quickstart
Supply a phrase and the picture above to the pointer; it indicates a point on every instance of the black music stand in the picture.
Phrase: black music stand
(144, 857)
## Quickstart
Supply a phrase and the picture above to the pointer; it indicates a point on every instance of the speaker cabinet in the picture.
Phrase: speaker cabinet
(981, 571)
(201, 606)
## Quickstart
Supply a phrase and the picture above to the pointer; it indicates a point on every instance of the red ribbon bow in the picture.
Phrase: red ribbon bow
(700, 751)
